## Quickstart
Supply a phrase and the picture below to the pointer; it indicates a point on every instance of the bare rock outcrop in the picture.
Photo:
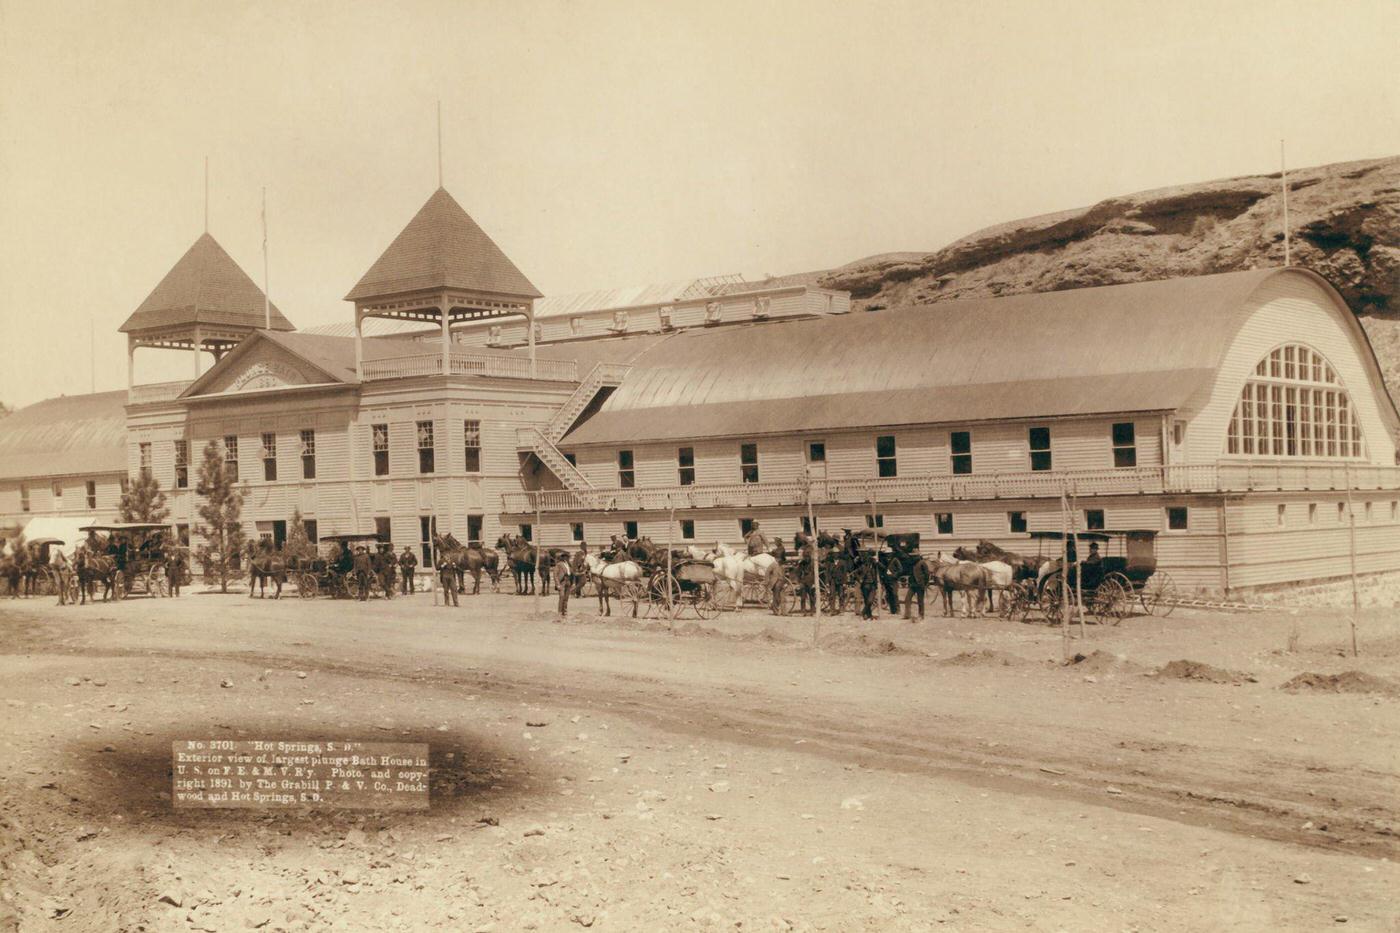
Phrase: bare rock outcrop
(1345, 220)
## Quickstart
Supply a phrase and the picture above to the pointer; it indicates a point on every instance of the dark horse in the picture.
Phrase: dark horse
(470, 559)
(91, 569)
(264, 564)
(523, 558)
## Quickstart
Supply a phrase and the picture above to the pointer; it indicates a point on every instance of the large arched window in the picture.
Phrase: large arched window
(1294, 406)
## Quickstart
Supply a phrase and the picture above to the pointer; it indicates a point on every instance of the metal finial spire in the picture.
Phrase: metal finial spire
(206, 194)
(439, 128)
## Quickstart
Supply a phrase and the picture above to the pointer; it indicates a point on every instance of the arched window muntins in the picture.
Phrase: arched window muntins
(1294, 405)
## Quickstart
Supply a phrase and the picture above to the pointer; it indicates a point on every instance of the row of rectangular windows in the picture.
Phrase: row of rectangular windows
(1178, 518)
(1123, 436)
(90, 488)
(380, 451)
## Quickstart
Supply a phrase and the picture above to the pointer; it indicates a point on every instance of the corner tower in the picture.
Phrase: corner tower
(442, 268)
(205, 302)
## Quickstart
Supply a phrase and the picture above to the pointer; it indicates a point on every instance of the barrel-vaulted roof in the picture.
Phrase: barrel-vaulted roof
(442, 247)
(1148, 346)
(205, 287)
(65, 436)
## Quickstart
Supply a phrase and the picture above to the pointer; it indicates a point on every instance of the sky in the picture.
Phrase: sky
(611, 143)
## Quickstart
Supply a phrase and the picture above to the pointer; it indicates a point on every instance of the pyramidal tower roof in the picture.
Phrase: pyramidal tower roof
(205, 287)
(442, 247)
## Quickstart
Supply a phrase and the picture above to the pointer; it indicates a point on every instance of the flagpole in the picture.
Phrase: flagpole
(1283, 173)
(267, 302)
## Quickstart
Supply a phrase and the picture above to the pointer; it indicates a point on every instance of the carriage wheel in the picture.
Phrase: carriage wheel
(156, 583)
(1110, 603)
(787, 598)
(306, 585)
(1050, 600)
(705, 605)
(634, 595)
(665, 593)
(1159, 595)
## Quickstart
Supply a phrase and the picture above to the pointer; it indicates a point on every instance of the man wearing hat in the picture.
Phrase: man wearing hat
(408, 564)
(448, 575)
(363, 570)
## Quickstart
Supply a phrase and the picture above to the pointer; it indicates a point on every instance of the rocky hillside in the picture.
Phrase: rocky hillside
(1345, 220)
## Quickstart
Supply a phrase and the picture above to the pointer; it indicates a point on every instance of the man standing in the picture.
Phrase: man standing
(918, 585)
(175, 570)
(563, 581)
(448, 575)
(891, 569)
(579, 568)
(756, 540)
(868, 578)
(363, 570)
(408, 565)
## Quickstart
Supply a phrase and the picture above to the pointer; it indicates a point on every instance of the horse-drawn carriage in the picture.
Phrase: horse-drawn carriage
(332, 576)
(139, 549)
(1111, 586)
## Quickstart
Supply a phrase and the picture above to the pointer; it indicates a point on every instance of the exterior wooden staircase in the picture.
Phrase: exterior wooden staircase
(542, 441)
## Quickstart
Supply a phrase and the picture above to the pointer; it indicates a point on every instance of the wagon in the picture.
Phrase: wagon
(318, 575)
(1112, 586)
(690, 585)
(66, 585)
(145, 559)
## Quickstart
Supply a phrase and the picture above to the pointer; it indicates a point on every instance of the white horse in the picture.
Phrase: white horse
(610, 578)
(732, 567)
(1001, 574)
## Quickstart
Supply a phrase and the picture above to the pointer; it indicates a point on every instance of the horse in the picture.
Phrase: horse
(1024, 567)
(523, 559)
(732, 567)
(469, 559)
(550, 558)
(61, 571)
(1003, 574)
(12, 572)
(608, 578)
(263, 566)
(93, 568)
(967, 576)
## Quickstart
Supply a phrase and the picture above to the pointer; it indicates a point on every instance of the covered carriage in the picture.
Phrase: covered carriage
(140, 550)
(1124, 577)
(328, 574)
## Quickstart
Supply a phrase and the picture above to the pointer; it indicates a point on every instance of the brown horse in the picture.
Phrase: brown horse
(1024, 567)
(523, 559)
(93, 568)
(970, 578)
(469, 559)
(265, 564)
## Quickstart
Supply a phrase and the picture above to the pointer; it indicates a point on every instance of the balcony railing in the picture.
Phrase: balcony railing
(156, 392)
(470, 364)
(1196, 478)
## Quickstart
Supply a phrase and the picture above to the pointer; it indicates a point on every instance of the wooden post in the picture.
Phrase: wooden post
(1078, 565)
(1064, 570)
(1225, 543)
(537, 534)
(446, 339)
(130, 363)
(670, 562)
(879, 584)
(530, 332)
(816, 565)
(1351, 549)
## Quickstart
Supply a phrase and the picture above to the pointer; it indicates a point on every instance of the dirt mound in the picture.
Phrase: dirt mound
(691, 628)
(1102, 662)
(1206, 673)
(1345, 682)
(862, 644)
(985, 657)
(770, 636)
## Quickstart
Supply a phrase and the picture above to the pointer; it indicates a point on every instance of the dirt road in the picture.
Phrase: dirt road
(950, 774)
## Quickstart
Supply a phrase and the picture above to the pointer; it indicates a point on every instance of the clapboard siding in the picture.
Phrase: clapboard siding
(1291, 309)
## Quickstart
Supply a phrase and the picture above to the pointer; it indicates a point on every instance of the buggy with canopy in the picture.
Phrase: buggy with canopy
(329, 575)
(139, 551)
(1125, 576)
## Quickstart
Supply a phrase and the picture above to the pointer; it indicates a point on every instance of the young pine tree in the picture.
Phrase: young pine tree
(221, 511)
(143, 501)
(298, 544)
